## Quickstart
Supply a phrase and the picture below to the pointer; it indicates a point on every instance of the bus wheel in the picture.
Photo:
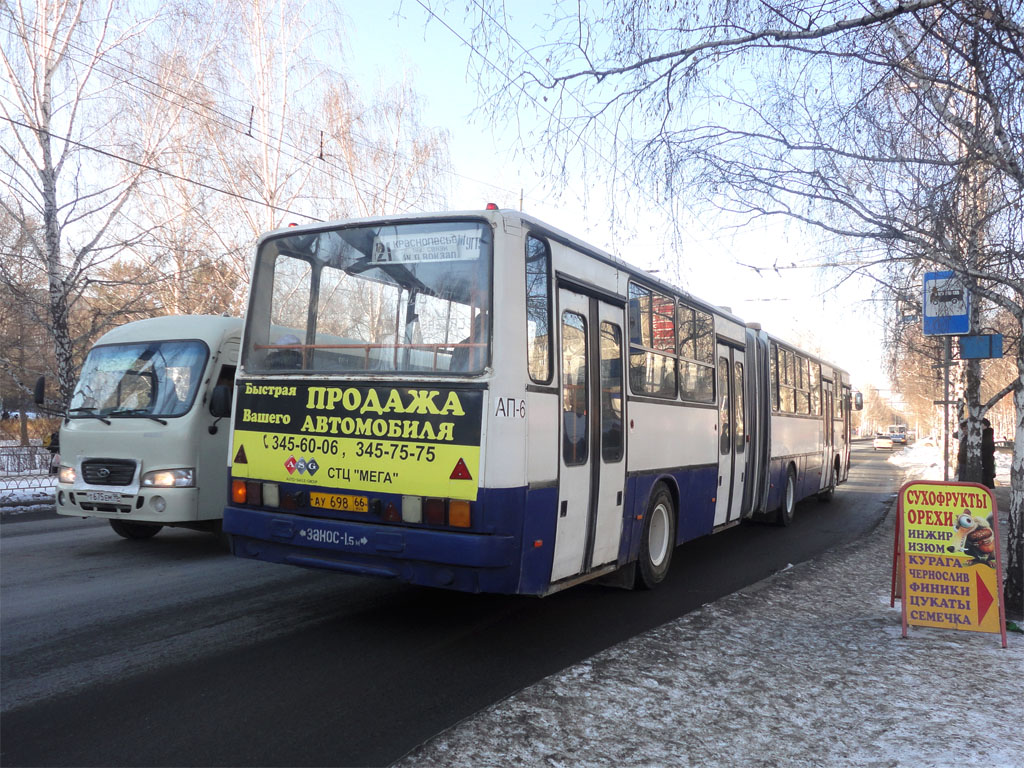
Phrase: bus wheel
(134, 530)
(657, 541)
(788, 505)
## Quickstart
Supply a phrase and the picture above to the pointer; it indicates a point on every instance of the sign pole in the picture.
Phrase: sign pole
(945, 408)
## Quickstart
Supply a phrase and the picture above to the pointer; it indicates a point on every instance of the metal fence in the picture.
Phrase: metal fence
(25, 475)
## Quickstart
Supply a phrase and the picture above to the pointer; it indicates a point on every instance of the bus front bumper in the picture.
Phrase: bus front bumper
(470, 562)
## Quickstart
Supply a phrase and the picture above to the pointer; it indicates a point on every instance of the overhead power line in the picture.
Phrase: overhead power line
(132, 78)
(156, 169)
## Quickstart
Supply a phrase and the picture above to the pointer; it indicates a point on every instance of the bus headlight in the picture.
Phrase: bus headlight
(169, 478)
(67, 475)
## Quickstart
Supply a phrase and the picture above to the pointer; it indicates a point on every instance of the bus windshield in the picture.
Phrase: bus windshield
(141, 380)
(400, 298)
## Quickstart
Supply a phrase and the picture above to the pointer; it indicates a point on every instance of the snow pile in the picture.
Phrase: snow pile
(920, 461)
(15, 500)
(923, 461)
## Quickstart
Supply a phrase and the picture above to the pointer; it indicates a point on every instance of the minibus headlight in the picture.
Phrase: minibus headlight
(169, 478)
(67, 475)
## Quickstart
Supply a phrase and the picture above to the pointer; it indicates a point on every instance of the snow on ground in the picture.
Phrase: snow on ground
(25, 494)
(923, 461)
(806, 668)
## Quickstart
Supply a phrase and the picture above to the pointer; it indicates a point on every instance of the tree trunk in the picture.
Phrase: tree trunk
(58, 298)
(969, 465)
(1014, 585)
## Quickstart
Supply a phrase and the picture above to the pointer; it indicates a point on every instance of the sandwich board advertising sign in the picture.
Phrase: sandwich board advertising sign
(948, 549)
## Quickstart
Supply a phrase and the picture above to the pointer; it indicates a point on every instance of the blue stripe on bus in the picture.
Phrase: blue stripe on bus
(507, 562)
(808, 477)
(693, 490)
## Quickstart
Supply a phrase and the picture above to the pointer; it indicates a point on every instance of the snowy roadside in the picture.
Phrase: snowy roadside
(923, 461)
(18, 496)
(806, 668)
(25, 480)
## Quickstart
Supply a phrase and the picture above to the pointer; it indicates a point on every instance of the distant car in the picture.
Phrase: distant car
(883, 441)
(898, 437)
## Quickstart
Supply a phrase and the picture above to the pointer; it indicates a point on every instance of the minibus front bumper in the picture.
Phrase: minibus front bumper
(166, 506)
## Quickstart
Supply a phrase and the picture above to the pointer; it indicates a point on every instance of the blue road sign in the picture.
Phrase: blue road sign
(947, 305)
(985, 347)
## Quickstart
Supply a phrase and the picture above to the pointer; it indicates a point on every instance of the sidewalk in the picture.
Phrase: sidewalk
(805, 668)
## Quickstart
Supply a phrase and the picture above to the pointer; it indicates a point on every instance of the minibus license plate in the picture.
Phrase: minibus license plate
(339, 502)
(103, 497)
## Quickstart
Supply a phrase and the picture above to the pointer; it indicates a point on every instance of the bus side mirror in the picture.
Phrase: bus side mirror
(858, 401)
(39, 391)
(220, 401)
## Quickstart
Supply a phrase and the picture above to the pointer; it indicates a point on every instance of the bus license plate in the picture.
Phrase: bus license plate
(103, 497)
(339, 502)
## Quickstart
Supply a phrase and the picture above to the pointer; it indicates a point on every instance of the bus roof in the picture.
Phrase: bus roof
(510, 218)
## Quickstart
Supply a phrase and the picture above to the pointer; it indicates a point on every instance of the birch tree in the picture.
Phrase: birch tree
(65, 160)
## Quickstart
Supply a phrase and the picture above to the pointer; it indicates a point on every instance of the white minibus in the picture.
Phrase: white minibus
(139, 445)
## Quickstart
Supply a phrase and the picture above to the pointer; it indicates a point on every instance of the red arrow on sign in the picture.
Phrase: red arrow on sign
(985, 598)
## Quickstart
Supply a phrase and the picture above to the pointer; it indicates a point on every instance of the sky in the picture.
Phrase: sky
(394, 39)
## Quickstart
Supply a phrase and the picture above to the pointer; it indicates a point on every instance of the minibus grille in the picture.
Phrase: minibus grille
(108, 471)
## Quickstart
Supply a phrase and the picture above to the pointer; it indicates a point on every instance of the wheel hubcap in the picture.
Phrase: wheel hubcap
(657, 537)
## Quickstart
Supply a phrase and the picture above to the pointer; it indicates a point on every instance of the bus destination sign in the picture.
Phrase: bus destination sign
(406, 440)
(408, 248)
(948, 539)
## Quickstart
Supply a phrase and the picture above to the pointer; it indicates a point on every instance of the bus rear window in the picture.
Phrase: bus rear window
(401, 298)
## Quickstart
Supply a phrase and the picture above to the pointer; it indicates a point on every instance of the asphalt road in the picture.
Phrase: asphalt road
(171, 652)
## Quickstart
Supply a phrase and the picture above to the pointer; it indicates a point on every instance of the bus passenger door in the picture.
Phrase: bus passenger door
(732, 435)
(591, 453)
(828, 468)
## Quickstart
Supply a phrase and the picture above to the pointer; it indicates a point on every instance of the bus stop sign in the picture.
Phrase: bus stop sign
(947, 305)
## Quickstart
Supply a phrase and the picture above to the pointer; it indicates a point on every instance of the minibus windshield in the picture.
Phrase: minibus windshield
(139, 380)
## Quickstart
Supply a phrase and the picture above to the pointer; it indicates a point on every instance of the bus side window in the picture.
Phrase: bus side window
(774, 384)
(652, 337)
(538, 310)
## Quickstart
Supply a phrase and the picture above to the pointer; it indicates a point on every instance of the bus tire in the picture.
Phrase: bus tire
(657, 540)
(129, 530)
(787, 508)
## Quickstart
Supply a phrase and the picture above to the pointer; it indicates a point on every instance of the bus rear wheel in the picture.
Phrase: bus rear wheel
(787, 508)
(657, 540)
(130, 530)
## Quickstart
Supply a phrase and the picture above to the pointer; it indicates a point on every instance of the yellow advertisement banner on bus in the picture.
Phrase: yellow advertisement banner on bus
(406, 440)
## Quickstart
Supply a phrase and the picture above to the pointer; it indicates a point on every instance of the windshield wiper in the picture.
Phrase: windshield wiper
(137, 412)
(89, 411)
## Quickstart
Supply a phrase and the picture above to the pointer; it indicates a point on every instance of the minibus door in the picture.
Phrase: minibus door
(592, 467)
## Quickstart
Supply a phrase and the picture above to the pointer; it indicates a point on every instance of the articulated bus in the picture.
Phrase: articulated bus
(481, 402)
